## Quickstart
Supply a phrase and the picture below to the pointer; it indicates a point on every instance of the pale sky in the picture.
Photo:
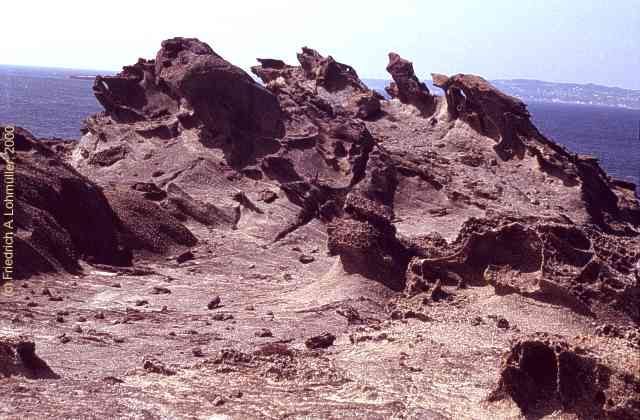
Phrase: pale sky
(578, 41)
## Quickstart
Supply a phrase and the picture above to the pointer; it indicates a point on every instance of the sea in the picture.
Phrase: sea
(49, 103)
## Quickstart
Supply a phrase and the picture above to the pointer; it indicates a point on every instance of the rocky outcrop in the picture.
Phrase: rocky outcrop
(189, 85)
(365, 237)
(546, 371)
(62, 217)
(459, 202)
(506, 119)
(489, 108)
(18, 358)
(581, 268)
(145, 226)
(189, 94)
(329, 73)
(337, 86)
(407, 87)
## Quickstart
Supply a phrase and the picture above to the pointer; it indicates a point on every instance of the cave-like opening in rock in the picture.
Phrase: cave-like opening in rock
(540, 363)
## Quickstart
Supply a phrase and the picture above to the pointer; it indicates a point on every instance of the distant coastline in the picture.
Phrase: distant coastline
(81, 77)
(550, 92)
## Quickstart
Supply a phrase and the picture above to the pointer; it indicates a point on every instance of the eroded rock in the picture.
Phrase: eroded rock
(18, 358)
(546, 369)
(407, 87)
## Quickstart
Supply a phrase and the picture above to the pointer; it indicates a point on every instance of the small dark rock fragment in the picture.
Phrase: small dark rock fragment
(475, 321)
(437, 293)
(306, 259)
(214, 303)
(160, 290)
(323, 340)
(503, 323)
(352, 315)
(396, 314)
(417, 315)
(268, 196)
(153, 365)
(221, 316)
(263, 332)
(184, 257)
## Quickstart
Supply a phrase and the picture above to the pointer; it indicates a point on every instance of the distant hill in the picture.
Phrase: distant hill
(540, 91)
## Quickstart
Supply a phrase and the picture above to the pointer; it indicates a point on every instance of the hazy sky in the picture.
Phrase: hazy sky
(568, 41)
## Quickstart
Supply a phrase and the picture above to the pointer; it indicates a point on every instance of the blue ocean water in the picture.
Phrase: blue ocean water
(610, 134)
(46, 101)
(51, 104)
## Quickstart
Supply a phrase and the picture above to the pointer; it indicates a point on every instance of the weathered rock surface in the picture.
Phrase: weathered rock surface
(584, 269)
(407, 87)
(62, 217)
(416, 240)
(18, 358)
(188, 85)
(543, 371)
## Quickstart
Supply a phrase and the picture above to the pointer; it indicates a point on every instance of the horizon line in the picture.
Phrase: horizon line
(361, 77)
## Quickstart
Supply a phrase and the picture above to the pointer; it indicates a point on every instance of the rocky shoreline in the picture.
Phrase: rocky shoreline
(309, 249)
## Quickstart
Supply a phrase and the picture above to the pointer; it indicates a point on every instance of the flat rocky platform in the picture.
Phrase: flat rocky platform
(217, 249)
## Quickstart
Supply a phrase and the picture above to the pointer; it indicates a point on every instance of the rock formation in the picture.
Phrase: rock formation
(543, 369)
(435, 233)
(190, 86)
(407, 87)
(18, 358)
(61, 216)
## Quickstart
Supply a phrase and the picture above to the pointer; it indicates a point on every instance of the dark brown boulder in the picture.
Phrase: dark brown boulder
(407, 87)
(321, 341)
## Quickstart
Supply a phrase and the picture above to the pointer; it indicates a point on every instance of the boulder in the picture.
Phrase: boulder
(18, 358)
